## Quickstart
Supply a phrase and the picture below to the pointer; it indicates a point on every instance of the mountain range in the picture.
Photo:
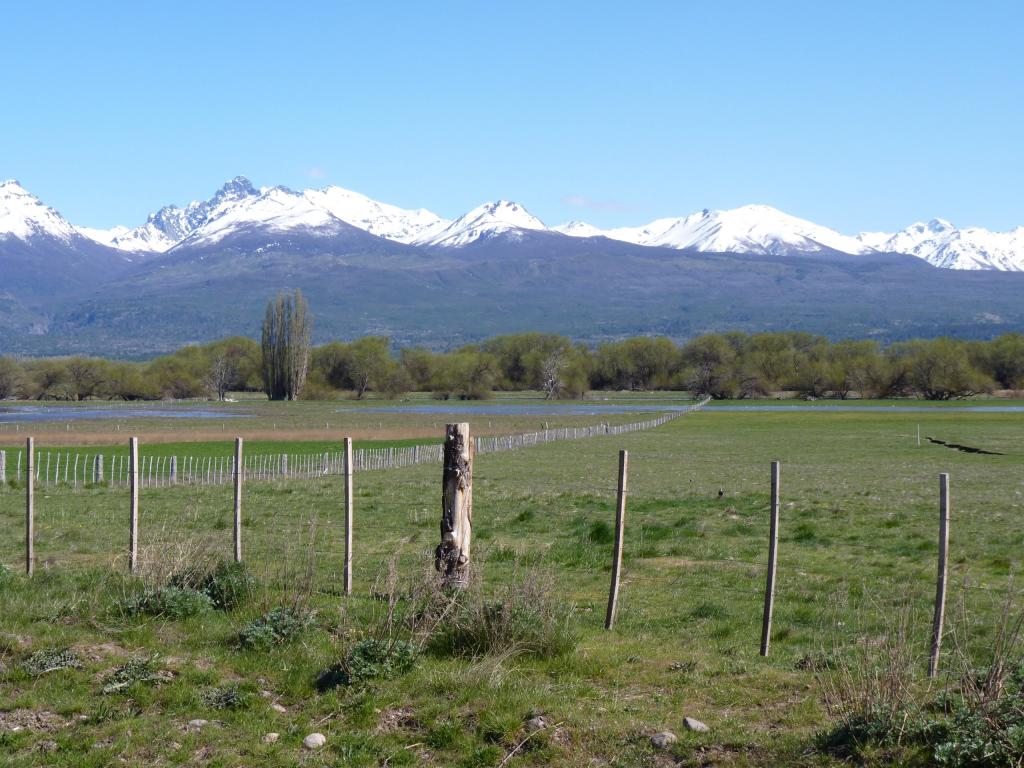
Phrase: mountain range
(206, 269)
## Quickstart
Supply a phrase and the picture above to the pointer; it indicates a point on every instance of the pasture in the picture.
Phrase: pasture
(857, 556)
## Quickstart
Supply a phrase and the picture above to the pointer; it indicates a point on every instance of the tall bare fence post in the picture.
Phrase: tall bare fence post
(30, 494)
(348, 515)
(940, 582)
(97, 468)
(452, 555)
(3, 467)
(773, 550)
(239, 472)
(133, 518)
(620, 527)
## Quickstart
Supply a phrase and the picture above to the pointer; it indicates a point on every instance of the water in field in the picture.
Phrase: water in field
(578, 409)
(19, 414)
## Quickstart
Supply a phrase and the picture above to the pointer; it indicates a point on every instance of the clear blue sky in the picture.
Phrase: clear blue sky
(858, 115)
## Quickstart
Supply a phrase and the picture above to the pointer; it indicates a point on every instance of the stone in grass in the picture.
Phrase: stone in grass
(314, 741)
(663, 740)
(279, 707)
(271, 737)
(694, 724)
(195, 725)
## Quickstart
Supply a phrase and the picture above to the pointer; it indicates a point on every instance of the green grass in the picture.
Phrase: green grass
(858, 541)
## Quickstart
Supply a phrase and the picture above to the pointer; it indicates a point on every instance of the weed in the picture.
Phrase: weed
(369, 659)
(50, 660)
(142, 670)
(228, 585)
(168, 602)
(226, 697)
(275, 627)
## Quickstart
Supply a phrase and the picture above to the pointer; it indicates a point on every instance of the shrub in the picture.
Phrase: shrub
(170, 602)
(369, 659)
(275, 627)
(134, 671)
(228, 585)
(50, 660)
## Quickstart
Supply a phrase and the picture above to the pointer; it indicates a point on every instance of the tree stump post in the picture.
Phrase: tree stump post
(452, 555)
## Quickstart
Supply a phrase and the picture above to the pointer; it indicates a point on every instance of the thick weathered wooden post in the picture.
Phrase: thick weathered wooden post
(3, 467)
(348, 515)
(940, 582)
(773, 548)
(173, 471)
(30, 520)
(133, 517)
(452, 554)
(620, 529)
(239, 472)
(97, 468)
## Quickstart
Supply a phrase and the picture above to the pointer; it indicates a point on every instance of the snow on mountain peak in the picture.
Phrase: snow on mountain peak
(578, 228)
(24, 216)
(381, 219)
(501, 217)
(276, 208)
(748, 229)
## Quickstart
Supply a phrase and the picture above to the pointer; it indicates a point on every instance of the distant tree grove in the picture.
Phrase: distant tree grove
(721, 365)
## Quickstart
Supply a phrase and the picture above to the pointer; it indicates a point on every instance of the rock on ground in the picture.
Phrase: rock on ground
(663, 740)
(314, 741)
(695, 725)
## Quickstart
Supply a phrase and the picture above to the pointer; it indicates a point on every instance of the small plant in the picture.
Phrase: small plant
(134, 671)
(227, 697)
(369, 659)
(50, 660)
(6, 576)
(170, 602)
(275, 627)
(228, 585)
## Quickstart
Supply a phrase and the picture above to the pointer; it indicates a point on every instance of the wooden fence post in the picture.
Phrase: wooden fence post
(773, 548)
(348, 515)
(940, 583)
(620, 526)
(3, 467)
(173, 471)
(30, 521)
(452, 555)
(133, 520)
(239, 471)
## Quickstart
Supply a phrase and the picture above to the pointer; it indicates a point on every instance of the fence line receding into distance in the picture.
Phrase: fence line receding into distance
(78, 469)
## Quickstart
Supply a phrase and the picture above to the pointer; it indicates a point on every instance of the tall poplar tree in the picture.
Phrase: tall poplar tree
(287, 332)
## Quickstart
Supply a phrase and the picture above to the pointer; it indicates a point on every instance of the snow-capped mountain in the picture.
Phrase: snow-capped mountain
(24, 216)
(941, 244)
(381, 219)
(751, 229)
(757, 229)
(277, 209)
(171, 224)
(498, 218)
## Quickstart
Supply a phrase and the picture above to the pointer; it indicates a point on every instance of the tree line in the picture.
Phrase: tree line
(285, 366)
(727, 365)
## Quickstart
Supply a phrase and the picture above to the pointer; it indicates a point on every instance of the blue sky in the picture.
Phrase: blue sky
(858, 115)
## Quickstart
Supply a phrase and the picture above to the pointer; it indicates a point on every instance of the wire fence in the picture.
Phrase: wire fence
(78, 469)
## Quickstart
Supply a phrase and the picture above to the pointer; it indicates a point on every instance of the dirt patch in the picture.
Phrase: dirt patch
(31, 720)
(102, 651)
(399, 718)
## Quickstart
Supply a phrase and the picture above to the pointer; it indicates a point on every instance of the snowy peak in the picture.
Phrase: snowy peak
(24, 216)
(757, 229)
(579, 229)
(941, 244)
(488, 220)
(277, 209)
(381, 219)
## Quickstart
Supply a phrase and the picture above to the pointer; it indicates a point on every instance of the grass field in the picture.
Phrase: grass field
(857, 552)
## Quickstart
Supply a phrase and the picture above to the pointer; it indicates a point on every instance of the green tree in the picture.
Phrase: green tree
(285, 346)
